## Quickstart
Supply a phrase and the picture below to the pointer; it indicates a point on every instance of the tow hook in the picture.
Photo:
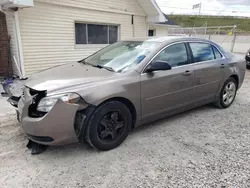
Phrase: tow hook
(36, 148)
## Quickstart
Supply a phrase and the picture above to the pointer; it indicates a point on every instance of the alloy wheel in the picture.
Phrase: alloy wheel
(229, 93)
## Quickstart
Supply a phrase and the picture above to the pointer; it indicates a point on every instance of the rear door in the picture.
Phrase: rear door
(209, 70)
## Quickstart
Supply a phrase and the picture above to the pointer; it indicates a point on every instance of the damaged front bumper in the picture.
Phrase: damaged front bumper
(54, 128)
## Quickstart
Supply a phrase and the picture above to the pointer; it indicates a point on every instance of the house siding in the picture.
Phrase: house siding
(48, 32)
(119, 6)
(160, 31)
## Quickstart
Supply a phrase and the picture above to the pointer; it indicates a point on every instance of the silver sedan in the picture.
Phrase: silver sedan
(104, 96)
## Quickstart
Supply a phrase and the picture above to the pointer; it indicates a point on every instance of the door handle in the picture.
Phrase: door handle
(222, 66)
(187, 73)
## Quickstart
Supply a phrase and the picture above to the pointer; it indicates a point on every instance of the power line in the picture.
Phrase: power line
(191, 4)
(176, 5)
(182, 8)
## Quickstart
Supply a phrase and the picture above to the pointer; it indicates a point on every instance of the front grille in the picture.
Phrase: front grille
(37, 96)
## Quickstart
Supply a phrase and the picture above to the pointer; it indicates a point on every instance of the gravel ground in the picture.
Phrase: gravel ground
(205, 147)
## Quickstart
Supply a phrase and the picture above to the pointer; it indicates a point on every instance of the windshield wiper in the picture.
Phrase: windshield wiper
(98, 66)
(81, 61)
(84, 62)
(107, 68)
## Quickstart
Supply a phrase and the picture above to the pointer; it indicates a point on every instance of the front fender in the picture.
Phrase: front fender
(127, 88)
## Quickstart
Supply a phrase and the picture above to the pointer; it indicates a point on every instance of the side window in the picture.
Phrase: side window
(217, 54)
(202, 52)
(175, 55)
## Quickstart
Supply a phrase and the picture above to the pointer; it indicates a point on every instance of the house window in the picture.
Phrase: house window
(151, 32)
(95, 33)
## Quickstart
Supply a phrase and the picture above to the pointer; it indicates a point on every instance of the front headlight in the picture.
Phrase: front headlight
(46, 103)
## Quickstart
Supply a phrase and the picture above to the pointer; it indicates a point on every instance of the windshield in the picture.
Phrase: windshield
(121, 56)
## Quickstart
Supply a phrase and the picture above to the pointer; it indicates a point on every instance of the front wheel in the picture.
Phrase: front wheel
(227, 93)
(108, 126)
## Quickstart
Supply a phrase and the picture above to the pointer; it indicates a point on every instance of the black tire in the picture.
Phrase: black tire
(92, 134)
(220, 102)
(248, 67)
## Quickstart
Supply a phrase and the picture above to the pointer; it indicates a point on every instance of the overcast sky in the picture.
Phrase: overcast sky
(209, 7)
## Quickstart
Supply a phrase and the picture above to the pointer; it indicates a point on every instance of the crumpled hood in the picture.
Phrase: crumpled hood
(68, 75)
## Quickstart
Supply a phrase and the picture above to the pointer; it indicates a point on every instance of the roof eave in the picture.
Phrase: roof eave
(164, 25)
(161, 17)
(157, 16)
(5, 4)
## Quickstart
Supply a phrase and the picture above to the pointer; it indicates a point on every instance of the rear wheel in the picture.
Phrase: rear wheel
(227, 94)
(108, 126)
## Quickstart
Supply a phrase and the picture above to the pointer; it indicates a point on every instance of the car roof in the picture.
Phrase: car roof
(167, 39)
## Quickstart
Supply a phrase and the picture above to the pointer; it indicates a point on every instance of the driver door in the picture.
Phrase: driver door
(169, 90)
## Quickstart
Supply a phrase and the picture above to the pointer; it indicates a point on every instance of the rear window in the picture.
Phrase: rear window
(202, 52)
(226, 53)
(217, 54)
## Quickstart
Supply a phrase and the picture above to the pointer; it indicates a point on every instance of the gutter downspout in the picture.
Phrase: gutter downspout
(19, 42)
(21, 69)
(147, 29)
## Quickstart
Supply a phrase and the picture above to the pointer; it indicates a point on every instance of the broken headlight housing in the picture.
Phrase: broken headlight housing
(47, 103)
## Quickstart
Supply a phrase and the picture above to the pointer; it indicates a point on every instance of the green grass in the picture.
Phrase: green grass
(243, 24)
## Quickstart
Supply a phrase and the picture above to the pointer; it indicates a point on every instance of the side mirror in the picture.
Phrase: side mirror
(157, 66)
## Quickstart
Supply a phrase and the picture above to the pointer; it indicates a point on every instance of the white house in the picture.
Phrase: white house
(45, 33)
(162, 28)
